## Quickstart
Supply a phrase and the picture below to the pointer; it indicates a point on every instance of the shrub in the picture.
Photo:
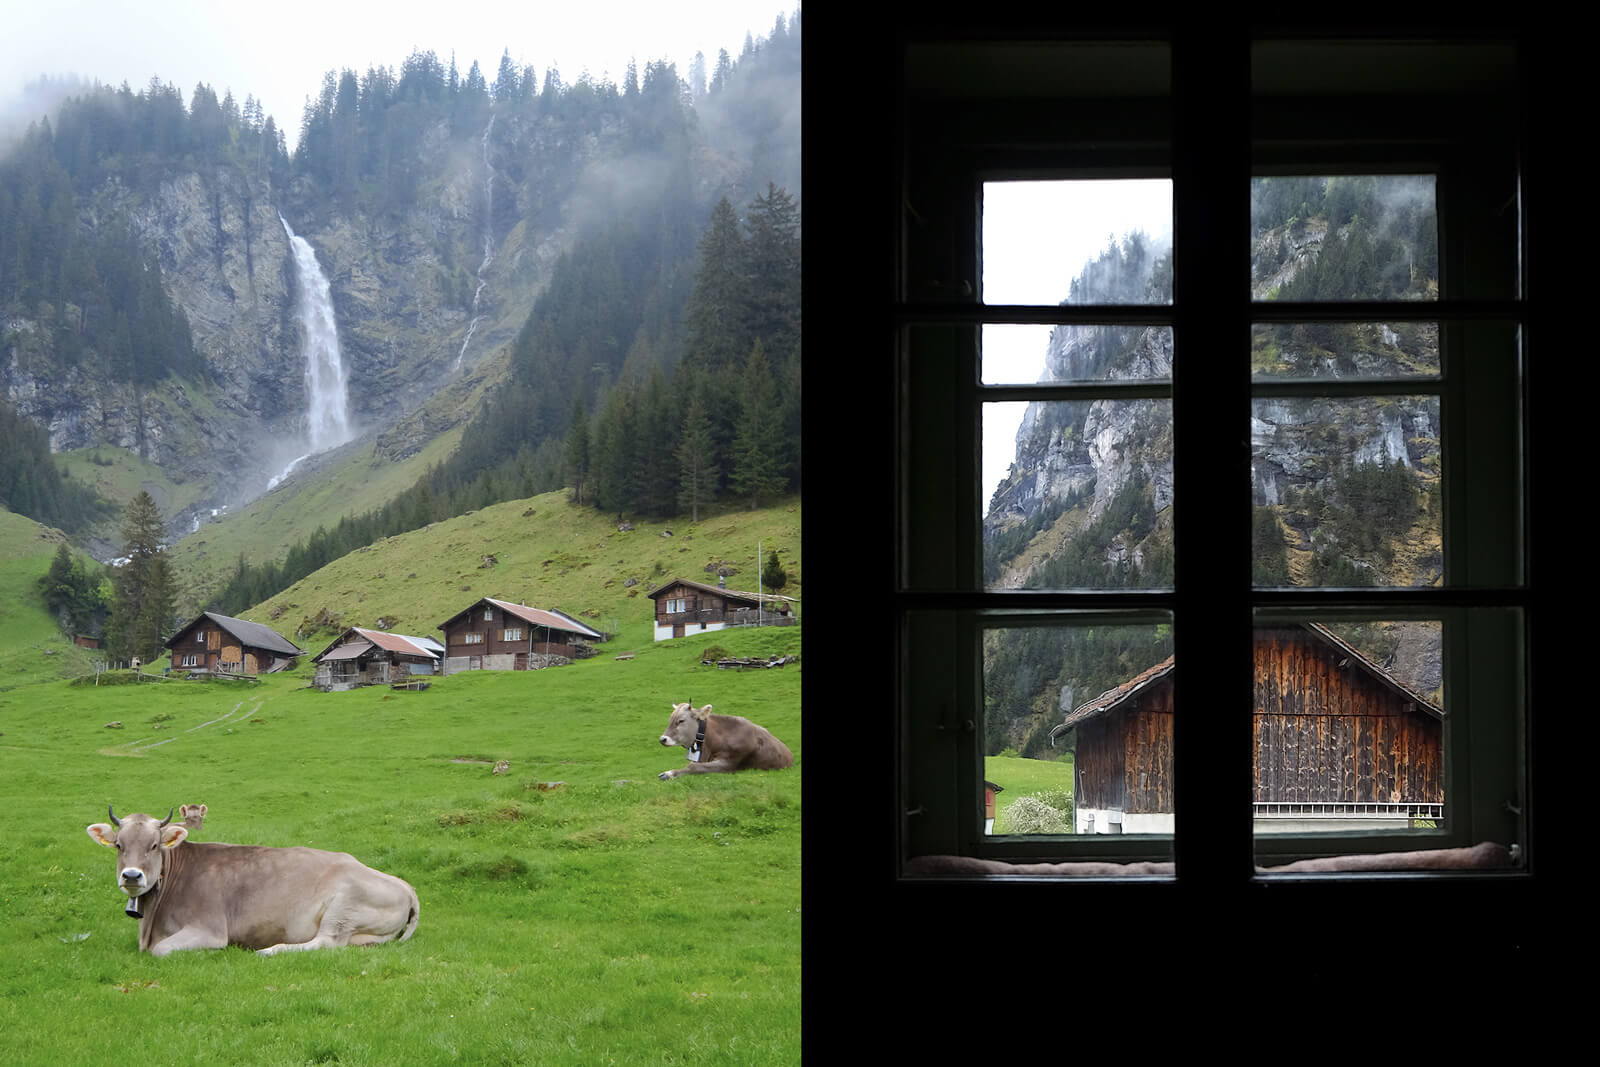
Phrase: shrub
(1031, 815)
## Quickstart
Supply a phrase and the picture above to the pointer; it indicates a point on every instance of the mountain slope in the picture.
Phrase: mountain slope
(545, 551)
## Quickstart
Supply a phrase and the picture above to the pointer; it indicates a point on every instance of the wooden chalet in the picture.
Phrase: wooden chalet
(1339, 743)
(685, 607)
(497, 635)
(221, 645)
(374, 657)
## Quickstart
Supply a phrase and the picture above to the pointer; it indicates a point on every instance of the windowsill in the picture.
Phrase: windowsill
(1485, 858)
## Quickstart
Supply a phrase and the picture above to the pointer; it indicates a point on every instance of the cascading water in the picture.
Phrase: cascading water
(327, 415)
(488, 242)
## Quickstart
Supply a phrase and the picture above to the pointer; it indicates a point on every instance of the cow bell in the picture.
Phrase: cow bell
(132, 910)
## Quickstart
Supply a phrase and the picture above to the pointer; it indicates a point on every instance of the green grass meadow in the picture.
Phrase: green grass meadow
(1020, 777)
(574, 910)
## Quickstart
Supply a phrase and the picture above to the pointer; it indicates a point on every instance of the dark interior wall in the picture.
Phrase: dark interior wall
(1483, 942)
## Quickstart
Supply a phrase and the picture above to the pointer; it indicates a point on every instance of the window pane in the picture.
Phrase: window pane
(1347, 237)
(1079, 494)
(1349, 728)
(1347, 491)
(1028, 354)
(1077, 242)
(1078, 729)
(1345, 350)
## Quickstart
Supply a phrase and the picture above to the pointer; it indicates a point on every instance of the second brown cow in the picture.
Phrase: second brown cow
(721, 744)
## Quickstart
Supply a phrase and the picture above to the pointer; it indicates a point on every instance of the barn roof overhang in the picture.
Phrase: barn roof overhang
(1115, 698)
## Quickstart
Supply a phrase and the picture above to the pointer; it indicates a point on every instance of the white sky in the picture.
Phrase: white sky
(279, 50)
(1036, 236)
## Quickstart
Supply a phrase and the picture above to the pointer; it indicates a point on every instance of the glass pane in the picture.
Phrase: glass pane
(1349, 727)
(1098, 241)
(1078, 494)
(1347, 491)
(1347, 237)
(1344, 350)
(1078, 729)
(1029, 354)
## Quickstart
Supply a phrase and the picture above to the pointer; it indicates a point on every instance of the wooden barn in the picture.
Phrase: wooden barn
(497, 635)
(374, 657)
(685, 607)
(1339, 743)
(222, 645)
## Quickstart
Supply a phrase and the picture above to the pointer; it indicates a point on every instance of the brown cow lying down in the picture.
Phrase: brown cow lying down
(193, 816)
(204, 895)
(721, 744)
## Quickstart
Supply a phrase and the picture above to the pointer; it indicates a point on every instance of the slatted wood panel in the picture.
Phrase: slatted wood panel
(1327, 731)
(1324, 733)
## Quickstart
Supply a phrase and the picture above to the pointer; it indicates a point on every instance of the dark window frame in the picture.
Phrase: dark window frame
(1213, 152)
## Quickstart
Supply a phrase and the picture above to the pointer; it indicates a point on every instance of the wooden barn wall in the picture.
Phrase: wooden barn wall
(1124, 758)
(1335, 735)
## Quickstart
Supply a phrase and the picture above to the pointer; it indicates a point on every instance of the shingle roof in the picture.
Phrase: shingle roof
(732, 594)
(253, 634)
(555, 620)
(1111, 698)
(358, 641)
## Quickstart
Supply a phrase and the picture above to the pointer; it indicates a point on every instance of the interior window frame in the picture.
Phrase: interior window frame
(943, 606)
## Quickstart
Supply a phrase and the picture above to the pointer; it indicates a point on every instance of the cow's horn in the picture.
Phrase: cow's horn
(167, 819)
(114, 820)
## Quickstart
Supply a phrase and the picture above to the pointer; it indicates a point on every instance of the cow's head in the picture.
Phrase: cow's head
(685, 724)
(141, 842)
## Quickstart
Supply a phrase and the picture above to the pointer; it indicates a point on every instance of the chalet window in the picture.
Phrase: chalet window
(676, 605)
(1242, 359)
(488, 614)
(472, 638)
(511, 635)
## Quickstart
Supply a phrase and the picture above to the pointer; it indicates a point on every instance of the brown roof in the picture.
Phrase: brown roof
(1112, 697)
(555, 620)
(731, 594)
(358, 641)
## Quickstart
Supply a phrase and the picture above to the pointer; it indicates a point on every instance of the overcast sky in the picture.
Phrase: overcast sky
(278, 50)
(1036, 236)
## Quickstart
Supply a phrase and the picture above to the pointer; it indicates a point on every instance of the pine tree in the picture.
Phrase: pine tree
(697, 466)
(756, 447)
(576, 457)
(773, 576)
(141, 605)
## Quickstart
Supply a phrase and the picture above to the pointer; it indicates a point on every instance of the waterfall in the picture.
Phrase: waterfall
(327, 418)
(488, 241)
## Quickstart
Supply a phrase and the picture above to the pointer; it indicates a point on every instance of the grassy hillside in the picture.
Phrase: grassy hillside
(542, 550)
(32, 648)
(573, 910)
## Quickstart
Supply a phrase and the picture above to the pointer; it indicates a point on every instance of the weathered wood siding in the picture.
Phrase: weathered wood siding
(1124, 759)
(1331, 734)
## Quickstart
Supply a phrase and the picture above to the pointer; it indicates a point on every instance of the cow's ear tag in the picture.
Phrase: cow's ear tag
(173, 835)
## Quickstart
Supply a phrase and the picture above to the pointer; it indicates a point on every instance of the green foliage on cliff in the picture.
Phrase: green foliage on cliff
(30, 483)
